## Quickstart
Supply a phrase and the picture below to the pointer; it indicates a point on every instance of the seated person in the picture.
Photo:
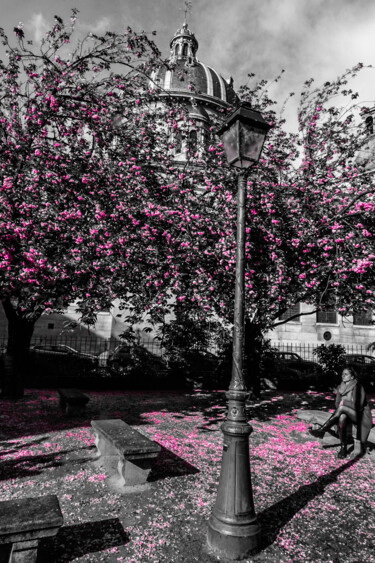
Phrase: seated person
(351, 405)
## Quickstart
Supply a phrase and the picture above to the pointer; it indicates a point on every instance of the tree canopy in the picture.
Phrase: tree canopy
(310, 215)
(75, 143)
(94, 208)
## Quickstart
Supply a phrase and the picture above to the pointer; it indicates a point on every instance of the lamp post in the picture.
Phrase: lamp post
(233, 530)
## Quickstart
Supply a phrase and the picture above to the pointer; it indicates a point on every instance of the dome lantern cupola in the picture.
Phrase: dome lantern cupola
(186, 76)
(184, 45)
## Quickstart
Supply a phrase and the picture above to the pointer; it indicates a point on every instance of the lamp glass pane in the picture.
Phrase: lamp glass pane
(230, 143)
(252, 140)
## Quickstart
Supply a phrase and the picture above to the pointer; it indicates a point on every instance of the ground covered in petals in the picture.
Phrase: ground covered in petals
(311, 506)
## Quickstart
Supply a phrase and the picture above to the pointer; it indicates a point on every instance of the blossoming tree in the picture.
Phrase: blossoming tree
(310, 219)
(94, 208)
(77, 128)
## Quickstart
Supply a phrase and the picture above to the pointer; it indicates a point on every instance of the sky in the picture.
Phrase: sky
(317, 39)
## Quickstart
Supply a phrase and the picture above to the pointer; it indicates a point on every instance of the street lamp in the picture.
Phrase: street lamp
(233, 529)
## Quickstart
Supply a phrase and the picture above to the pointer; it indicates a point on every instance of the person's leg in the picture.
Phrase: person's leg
(349, 412)
(334, 419)
(359, 446)
(343, 427)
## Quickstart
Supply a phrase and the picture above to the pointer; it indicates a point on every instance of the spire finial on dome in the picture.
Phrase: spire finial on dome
(188, 8)
(184, 44)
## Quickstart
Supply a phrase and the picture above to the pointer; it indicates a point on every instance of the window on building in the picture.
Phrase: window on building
(185, 50)
(50, 326)
(291, 312)
(193, 140)
(363, 318)
(329, 316)
(370, 124)
(177, 142)
(206, 137)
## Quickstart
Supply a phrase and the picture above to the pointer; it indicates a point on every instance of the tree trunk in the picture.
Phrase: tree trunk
(15, 362)
(253, 355)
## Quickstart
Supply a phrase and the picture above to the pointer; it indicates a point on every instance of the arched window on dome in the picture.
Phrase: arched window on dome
(206, 136)
(193, 140)
(370, 124)
(185, 50)
(177, 143)
(176, 50)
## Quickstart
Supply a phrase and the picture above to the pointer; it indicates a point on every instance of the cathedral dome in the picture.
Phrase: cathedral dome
(187, 76)
(195, 79)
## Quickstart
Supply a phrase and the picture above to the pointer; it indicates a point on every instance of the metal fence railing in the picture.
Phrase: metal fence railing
(306, 349)
(66, 358)
(83, 345)
(66, 352)
(96, 345)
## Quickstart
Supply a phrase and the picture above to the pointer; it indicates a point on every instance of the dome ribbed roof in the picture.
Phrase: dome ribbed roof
(204, 80)
(186, 76)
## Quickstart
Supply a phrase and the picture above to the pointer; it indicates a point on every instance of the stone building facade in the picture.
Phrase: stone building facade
(328, 327)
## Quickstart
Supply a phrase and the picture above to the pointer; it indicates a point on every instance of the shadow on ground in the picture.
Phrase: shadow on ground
(169, 464)
(29, 466)
(33, 465)
(72, 542)
(274, 518)
(32, 415)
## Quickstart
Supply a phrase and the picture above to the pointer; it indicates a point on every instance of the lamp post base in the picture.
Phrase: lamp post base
(233, 547)
(233, 530)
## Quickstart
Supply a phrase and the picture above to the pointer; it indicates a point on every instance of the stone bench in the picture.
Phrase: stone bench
(134, 454)
(72, 401)
(331, 438)
(23, 523)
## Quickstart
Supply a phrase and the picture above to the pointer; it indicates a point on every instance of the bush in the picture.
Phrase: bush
(332, 360)
(140, 364)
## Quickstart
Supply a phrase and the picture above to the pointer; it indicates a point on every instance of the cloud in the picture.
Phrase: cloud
(319, 39)
(38, 26)
(99, 27)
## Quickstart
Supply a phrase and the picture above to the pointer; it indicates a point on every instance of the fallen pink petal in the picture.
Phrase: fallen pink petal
(307, 501)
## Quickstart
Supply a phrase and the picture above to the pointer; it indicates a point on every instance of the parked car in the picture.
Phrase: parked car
(62, 350)
(61, 359)
(364, 367)
(294, 361)
(289, 371)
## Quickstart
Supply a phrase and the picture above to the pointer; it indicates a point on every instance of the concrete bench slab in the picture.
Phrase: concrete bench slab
(118, 443)
(331, 438)
(72, 401)
(23, 522)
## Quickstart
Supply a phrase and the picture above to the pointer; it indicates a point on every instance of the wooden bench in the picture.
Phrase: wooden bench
(72, 401)
(23, 523)
(331, 438)
(134, 454)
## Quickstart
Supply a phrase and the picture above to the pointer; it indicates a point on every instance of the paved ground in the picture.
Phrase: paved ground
(300, 489)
